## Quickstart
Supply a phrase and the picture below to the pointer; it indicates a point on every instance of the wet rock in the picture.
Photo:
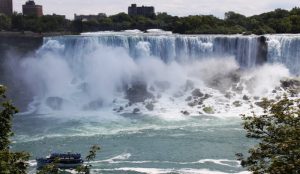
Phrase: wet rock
(185, 112)
(274, 91)
(136, 110)
(191, 104)
(228, 96)
(278, 97)
(162, 85)
(263, 104)
(121, 108)
(236, 75)
(208, 110)
(200, 112)
(206, 96)
(286, 82)
(256, 98)
(291, 102)
(277, 88)
(188, 98)
(94, 105)
(296, 81)
(245, 97)
(197, 93)
(54, 103)
(150, 106)
(138, 93)
(237, 103)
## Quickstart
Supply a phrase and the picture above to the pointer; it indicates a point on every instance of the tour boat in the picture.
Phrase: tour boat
(68, 160)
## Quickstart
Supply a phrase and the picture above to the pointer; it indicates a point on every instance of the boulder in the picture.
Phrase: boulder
(188, 98)
(54, 103)
(278, 97)
(296, 81)
(237, 103)
(197, 93)
(150, 106)
(138, 93)
(228, 96)
(185, 112)
(256, 98)
(246, 97)
(191, 104)
(263, 104)
(208, 110)
(286, 82)
(136, 110)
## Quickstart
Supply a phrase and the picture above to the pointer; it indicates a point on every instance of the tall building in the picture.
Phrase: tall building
(6, 7)
(31, 8)
(87, 17)
(143, 10)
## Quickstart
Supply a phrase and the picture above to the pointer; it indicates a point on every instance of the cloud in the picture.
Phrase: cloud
(173, 7)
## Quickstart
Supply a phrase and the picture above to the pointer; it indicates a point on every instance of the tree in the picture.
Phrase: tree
(10, 162)
(278, 131)
(5, 22)
(91, 157)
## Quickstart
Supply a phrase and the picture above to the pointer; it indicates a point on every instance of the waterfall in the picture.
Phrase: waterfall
(89, 71)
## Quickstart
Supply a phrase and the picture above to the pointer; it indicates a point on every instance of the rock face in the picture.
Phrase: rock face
(54, 102)
(293, 85)
(138, 93)
(150, 106)
(223, 82)
(197, 93)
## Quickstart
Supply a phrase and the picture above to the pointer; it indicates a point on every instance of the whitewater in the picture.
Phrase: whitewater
(86, 90)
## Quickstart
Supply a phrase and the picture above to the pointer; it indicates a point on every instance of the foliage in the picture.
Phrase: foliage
(5, 22)
(277, 21)
(50, 168)
(93, 152)
(278, 130)
(10, 162)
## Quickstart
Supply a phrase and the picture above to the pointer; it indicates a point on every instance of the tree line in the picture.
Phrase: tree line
(277, 21)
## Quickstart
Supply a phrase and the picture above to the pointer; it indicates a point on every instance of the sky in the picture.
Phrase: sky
(172, 7)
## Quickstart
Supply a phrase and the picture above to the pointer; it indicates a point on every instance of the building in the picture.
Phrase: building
(6, 7)
(88, 17)
(64, 16)
(143, 10)
(31, 8)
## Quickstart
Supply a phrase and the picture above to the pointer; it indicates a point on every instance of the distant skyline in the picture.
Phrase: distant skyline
(172, 7)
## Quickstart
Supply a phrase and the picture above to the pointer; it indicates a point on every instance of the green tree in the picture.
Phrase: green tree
(17, 21)
(10, 162)
(5, 22)
(278, 132)
(91, 157)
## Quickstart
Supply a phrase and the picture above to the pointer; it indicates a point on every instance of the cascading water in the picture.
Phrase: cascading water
(87, 87)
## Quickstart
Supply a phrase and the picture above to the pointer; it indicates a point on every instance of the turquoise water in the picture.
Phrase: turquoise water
(135, 143)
